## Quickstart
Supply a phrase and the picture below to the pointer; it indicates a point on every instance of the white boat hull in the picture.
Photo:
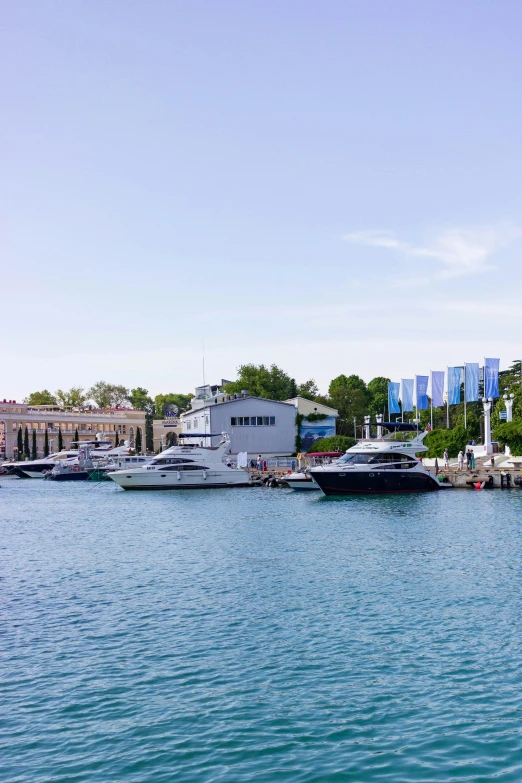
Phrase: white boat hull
(302, 482)
(194, 479)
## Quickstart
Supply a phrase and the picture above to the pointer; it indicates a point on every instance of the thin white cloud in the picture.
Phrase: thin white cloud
(458, 251)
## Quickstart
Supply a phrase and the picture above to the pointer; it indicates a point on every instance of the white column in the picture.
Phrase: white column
(508, 401)
(378, 419)
(487, 425)
(367, 427)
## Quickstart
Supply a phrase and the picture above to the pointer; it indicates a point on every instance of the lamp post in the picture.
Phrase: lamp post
(508, 402)
(486, 403)
(367, 428)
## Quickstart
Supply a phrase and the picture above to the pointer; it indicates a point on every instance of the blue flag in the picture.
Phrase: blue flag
(393, 397)
(454, 381)
(472, 382)
(407, 394)
(491, 378)
(421, 392)
(437, 388)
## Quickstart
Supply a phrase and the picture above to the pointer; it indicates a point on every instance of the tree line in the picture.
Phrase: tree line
(350, 395)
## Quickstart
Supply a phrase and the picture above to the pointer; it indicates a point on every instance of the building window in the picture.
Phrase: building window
(195, 424)
(252, 421)
(189, 425)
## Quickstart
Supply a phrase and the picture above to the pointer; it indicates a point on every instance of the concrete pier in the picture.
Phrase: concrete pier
(495, 478)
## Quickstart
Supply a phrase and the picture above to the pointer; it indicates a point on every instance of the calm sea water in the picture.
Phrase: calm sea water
(258, 635)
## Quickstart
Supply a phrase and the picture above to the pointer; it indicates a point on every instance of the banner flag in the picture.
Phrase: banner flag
(491, 378)
(407, 394)
(393, 397)
(472, 382)
(454, 381)
(437, 388)
(421, 392)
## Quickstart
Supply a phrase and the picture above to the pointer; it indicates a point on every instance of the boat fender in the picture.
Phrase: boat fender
(179, 476)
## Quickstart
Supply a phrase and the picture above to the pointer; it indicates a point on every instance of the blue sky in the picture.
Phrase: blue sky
(333, 187)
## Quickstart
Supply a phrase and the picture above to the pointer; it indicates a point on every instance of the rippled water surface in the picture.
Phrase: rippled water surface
(258, 635)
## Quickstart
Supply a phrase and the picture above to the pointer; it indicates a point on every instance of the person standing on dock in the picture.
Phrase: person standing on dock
(472, 459)
(460, 459)
(446, 459)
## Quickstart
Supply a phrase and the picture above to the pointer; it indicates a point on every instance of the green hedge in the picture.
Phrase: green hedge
(334, 443)
(510, 434)
(454, 440)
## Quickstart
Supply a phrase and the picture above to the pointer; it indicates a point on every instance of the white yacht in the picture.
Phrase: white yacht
(36, 468)
(89, 456)
(385, 464)
(185, 466)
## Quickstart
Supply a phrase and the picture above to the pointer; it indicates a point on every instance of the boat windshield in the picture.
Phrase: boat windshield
(373, 459)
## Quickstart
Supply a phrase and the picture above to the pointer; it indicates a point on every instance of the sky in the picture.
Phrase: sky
(332, 187)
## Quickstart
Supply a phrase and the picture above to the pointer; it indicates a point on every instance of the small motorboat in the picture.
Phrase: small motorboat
(301, 480)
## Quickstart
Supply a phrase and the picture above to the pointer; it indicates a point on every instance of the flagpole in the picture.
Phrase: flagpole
(431, 401)
(447, 399)
(465, 420)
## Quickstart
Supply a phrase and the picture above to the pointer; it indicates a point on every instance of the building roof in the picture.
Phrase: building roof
(237, 399)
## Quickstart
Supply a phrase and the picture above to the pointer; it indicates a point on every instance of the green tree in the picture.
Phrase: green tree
(60, 439)
(181, 401)
(349, 394)
(378, 391)
(34, 450)
(140, 400)
(20, 443)
(453, 439)
(308, 389)
(260, 381)
(109, 395)
(76, 439)
(74, 398)
(43, 397)
(509, 433)
(138, 441)
(46, 443)
(27, 451)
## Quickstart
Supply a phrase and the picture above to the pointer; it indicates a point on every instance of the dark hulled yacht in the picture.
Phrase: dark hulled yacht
(384, 464)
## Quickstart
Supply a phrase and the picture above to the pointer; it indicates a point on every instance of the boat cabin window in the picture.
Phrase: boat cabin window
(377, 459)
(171, 460)
(185, 467)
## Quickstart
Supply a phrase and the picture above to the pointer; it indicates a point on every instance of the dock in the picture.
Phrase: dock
(492, 478)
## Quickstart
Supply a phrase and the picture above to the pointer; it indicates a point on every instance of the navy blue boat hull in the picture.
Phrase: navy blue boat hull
(377, 482)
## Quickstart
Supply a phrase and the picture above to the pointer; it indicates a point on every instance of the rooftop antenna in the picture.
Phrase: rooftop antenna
(204, 391)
